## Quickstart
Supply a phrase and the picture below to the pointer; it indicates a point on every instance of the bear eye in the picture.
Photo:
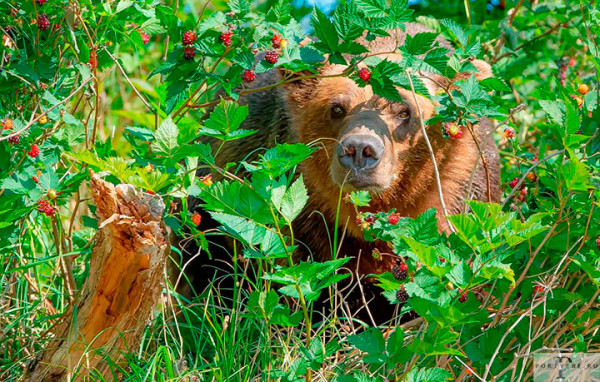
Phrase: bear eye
(337, 111)
(404, 114)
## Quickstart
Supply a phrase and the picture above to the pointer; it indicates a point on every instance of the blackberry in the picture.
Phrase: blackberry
(276, 41)
(400, 272)
(402, 295)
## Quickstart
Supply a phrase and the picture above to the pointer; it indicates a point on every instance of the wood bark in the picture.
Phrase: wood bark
(127, 270)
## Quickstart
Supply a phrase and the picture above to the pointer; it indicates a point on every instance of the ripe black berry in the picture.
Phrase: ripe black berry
(43, 22)
(14, 139)
(400, 272)
(463, 297)
(402, 295)
(271, 57)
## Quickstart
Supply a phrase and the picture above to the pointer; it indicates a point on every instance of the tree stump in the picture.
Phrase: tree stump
(127, 271)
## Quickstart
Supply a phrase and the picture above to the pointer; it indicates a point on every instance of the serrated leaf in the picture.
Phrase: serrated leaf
(165, 138)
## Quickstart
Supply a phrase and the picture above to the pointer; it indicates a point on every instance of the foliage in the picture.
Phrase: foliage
(107, 87)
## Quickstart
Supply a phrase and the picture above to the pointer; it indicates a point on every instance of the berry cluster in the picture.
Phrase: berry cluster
(248, 75)
(522, 196)
(189, 52)
(189, 38)
(364, 74)
(145, 36)
(226, 38)
(402, 295)
(34, 151)
(271, 57)
(43, 22)
(196, 219)
(452, 130)
(365, 220)
(6, 124)
(44, 206)
(276, 41)
(400, 272)
(509, 133)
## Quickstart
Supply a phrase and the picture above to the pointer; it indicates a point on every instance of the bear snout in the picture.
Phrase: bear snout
(359, 152)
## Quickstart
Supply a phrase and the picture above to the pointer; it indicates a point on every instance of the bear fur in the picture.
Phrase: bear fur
(300, 112)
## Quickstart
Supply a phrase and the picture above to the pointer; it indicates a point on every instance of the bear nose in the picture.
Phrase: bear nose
(360, 152)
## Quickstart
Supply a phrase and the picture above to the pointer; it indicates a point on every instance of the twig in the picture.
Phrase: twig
(484, 161)
(520, 183)
(435, 167)
(44, 113)
(129, 81)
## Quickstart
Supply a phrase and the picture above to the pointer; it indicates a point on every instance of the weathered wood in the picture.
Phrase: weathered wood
(127, 270)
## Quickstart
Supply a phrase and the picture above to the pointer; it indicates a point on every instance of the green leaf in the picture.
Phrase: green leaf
(165, 138)
(455, 30)
(360, 198)
(370, 341)
(324, 30)
(225, 120)
(294, 200)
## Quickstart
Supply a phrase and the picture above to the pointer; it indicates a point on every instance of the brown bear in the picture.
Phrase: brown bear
(365, 143)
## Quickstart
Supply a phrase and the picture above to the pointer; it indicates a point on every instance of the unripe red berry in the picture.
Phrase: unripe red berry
(196, 219)
(276, 41)
(598, 242)
(513, 183)
(271, 57)
(572, 61)
(43, 22)
(538, 289)
(189, 52)
(509, 132)
(41, 2)
(188, 38)
(364, 74)
(226, 38)
(393, 219)
(35, 179)
(150, 192)
(145, 36)
(34, 151)
(452, 130)
(583, 89)
(7, 124)
(207, 180)
(248, 75)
